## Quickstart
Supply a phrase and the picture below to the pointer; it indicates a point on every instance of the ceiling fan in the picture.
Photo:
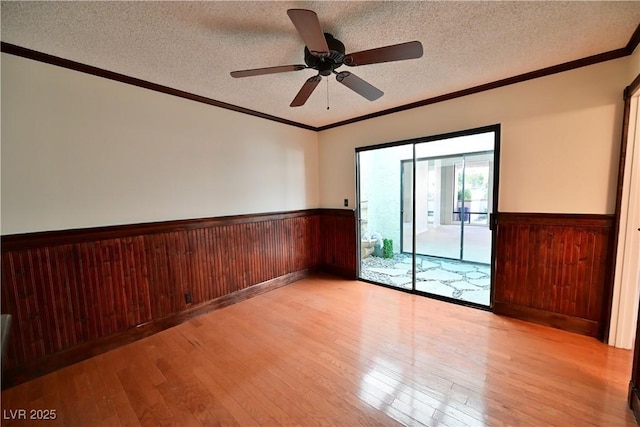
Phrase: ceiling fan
(325, 54)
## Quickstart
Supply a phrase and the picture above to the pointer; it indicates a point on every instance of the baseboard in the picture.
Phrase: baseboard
(53, 362)
(560, 321)
(338, 271)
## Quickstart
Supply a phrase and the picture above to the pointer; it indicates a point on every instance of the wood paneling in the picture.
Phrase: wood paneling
(80, 292)
(554, 269)
(338, 250)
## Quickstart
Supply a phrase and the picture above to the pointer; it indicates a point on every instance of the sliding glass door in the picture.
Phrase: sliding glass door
(424, 211)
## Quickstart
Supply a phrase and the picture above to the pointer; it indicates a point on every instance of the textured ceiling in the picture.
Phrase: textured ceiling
(192, 46)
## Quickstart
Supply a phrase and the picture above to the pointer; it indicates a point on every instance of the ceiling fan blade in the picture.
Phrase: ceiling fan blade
(359, 86)
(305, 91)
(308, 26)
(267, 70)
(396, 52)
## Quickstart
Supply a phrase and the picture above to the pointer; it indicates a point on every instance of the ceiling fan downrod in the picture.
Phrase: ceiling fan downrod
(327, 94)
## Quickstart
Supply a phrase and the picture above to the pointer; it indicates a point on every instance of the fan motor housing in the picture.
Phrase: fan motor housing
(326, 65)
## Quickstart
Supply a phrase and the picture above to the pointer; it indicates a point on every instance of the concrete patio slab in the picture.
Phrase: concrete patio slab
(475, 275)
(463, 285)
(479, 297)
(454, 279)
(403, 266)
(389, 271)
(459, 268)
(435, 287)
(403, 281)
(481, 282)
(438, 275)
(425, 265)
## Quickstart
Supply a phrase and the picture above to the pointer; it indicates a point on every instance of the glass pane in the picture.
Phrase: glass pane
(437, 231)
(385, 212)
(478, 188)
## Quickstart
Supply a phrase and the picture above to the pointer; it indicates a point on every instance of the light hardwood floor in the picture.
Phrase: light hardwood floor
(336, 352)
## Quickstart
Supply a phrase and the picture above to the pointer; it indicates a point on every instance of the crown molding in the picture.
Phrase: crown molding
(100, 72)
(88, 69)
(591, 60)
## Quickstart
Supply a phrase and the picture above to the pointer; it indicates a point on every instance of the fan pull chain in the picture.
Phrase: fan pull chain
(327, 94)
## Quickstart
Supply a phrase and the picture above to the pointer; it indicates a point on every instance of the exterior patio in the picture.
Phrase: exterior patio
(444, 241)
(454, 279)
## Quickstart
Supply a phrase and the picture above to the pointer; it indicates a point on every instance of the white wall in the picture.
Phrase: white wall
(560, 139)
(82, 151)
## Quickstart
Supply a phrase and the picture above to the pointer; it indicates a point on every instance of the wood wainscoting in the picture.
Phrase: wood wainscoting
(555, 269)
(77, 293)
(338, 252)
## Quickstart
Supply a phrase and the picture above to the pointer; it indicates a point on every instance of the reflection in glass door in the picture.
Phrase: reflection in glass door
(476, 178)
(424, 209)
(453, 200)
(437, 232)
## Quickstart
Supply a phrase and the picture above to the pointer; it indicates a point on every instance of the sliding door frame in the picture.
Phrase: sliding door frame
(496, 129)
